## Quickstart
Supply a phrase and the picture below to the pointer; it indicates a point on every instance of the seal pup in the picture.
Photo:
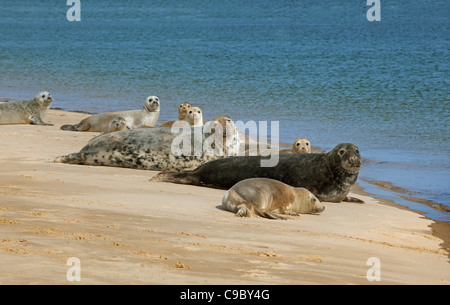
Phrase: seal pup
(267, 197)
(26, 112)
(183, 109)
(147, 117)
(329, 176)
(301, 146)
(154, 148)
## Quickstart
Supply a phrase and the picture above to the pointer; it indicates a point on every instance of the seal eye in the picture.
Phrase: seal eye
(43, 95)
(298, 144)
(307, 144)
(341, 152)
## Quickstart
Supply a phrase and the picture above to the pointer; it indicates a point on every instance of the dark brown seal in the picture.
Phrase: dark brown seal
(328, 176)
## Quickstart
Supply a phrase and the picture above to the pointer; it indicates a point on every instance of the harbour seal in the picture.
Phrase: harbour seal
(183, 109)
(26, 112)
(266, 197)
(155, 148)
(328, 176)
(301, 146)
(195, 117)
(147, 117)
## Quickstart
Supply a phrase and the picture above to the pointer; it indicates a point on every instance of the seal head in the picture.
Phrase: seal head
(151, 104)
(346, 158)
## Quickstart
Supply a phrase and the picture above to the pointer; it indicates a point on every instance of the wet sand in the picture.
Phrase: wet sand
(127, 230)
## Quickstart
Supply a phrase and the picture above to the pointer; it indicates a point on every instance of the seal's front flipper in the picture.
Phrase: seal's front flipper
(353, 199)
(35, 120)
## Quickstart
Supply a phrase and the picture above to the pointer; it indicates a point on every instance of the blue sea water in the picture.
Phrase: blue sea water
(319, 67)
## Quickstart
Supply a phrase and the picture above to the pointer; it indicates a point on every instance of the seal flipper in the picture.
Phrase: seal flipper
(174, 177)
(69, 127)
(36, 120)
(267, 214)
(75, 158)
(353, 199)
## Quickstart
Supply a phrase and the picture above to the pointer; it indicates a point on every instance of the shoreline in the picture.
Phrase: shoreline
(440, 229)
(126, 229)
(402, 192)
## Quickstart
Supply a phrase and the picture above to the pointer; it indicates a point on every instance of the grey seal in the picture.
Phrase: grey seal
(267, 197)
(26, 112)
(175, 148)
(329, 176)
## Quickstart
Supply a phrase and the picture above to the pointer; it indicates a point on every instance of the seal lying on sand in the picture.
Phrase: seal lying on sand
(265, 197)
(154, 148)
(328, 176)
(147, 117)
(301, 146)
(26, 112)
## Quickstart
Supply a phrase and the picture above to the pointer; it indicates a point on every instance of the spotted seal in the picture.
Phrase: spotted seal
(267, 197)
(329, 176)
(175, 148)
(147, 117)
(26, 112)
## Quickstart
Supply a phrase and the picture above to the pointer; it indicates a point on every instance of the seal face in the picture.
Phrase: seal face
(26, 112)
(183, 109)
(301, 146)
(150, 148)
(328, 176)
(116, 124)
(147, 117)
(195, 116)
(267, 197)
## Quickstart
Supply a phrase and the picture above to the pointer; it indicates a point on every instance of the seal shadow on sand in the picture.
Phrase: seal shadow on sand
(220, 207)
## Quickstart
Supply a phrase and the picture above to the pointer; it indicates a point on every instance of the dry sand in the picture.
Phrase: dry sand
(127, 230)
